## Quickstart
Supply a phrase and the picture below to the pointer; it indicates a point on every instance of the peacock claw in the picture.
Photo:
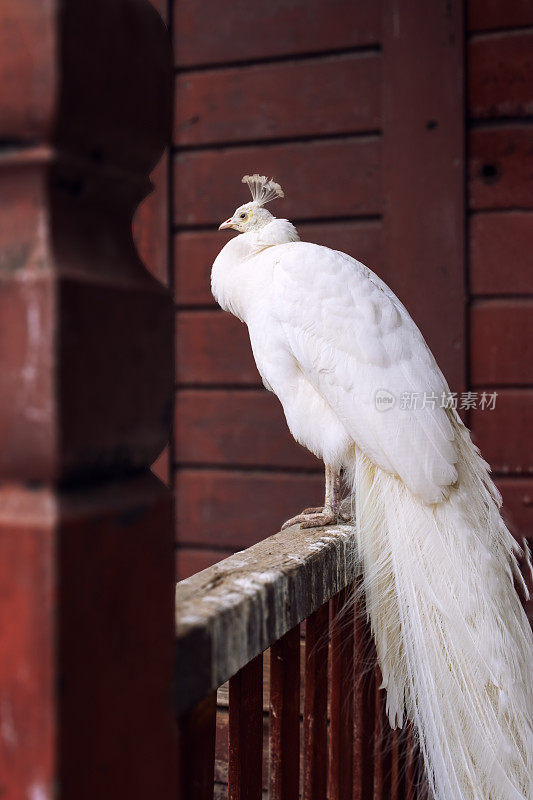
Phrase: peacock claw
(312, 518)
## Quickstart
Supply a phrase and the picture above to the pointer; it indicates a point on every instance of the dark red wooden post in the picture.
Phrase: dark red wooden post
(246, 732)
(342, 696)
(285, 716)
(196, 750)
(86, 575)
(315, 782)
(364, 690)
(382, 743)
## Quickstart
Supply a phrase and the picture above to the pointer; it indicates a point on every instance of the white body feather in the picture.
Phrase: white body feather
(453, 642)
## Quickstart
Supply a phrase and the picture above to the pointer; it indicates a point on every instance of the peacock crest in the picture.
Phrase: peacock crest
(263, 189)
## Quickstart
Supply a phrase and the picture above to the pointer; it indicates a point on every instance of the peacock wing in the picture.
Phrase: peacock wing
(357, 345)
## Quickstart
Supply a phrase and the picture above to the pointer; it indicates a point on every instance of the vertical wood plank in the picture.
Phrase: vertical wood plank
(246, 732)
(396, 792)
(382, 752)
(196, 750)
(285, 716)
(342, 697)
(410, 765)
(364, 709)
(316, 705)
(423, 168)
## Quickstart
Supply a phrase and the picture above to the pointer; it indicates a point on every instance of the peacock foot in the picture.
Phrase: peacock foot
(313, 518)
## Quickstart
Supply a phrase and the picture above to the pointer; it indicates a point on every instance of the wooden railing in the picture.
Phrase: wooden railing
(328, 734)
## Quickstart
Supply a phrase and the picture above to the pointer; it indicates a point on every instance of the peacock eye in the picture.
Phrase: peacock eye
(243, 216)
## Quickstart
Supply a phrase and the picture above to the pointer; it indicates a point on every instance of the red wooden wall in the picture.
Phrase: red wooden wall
(500, 241)
(358, 109)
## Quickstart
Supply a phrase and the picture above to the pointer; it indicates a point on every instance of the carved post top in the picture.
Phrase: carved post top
(85, 331)
(91, 77)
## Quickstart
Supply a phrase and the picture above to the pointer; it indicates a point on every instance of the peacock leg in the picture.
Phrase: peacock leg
(326, 514)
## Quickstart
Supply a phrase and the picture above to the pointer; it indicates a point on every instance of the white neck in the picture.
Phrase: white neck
(232, 269)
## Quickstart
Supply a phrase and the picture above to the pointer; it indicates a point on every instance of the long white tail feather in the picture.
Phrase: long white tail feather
(453, 642)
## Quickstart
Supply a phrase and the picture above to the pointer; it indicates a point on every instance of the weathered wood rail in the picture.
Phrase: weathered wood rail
(327, 700)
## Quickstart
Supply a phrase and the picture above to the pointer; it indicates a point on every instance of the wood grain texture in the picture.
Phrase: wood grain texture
(423, 135)
(194, 253)
(215, 506)
(300, 167)
(246, 732)
(196, 750)
(285, 716)
(342, 698)
(282, 100)
(501, 342)
(493, 15)
(500, 75)
(236, 428)
(500, 434)
(500, 167)
(500, 244)
(315, 720)
(229, 613)
(251, 29)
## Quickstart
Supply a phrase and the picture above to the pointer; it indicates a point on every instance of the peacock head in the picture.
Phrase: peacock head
(252, 216)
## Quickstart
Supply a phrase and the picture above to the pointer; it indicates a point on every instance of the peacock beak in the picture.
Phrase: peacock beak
(226, 224)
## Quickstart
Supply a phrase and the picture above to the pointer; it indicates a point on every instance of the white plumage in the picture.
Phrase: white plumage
(453, 642)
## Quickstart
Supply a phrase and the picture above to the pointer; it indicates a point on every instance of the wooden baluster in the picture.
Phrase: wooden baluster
(285, 716)
(382, 752)
(86, 531)
(416, 785)
(196, 750)
(396, 790)
(316, 705)
(246, 732)
(378, 738)
(364, 709)
(410, 764)
(342, 697)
